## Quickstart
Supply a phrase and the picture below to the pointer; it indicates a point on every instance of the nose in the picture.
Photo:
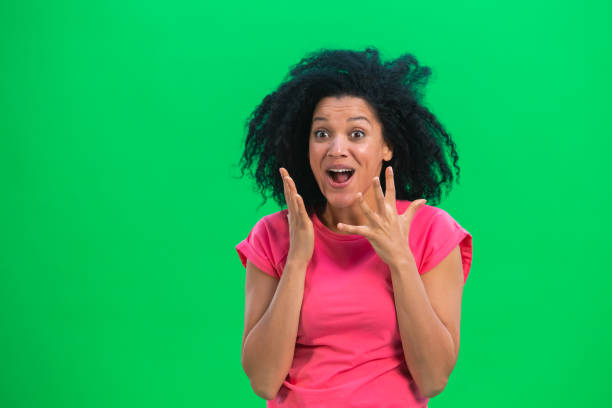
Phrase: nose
(337, 147)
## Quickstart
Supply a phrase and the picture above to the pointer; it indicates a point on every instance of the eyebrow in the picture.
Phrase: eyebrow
(349, 119)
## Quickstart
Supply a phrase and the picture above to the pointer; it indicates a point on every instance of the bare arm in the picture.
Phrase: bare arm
(273, 308)
(429, 313)
(267, 352)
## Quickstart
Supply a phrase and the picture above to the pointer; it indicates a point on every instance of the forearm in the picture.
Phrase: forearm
(268, 350)
(428, 346)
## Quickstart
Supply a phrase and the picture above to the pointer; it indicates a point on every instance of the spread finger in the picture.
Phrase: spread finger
(355, 229)
(368, 212)
(380, 197)
(390, 186)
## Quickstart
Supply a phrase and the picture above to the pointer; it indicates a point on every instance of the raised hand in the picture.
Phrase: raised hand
(386, 230)
(301, 231)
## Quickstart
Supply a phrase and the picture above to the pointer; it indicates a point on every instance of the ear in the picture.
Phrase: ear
(387, 152)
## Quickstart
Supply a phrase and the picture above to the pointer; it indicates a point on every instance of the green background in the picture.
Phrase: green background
(121, 125)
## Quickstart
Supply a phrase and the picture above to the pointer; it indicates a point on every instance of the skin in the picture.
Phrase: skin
(429, 306)
(345, 130)
(335, 137)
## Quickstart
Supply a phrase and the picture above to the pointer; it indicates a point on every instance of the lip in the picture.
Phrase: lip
(332, 183)
(339, 166)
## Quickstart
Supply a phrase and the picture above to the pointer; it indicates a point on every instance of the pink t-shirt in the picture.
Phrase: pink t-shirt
(348, 350)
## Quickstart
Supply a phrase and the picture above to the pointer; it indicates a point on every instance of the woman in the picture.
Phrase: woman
(353, 292)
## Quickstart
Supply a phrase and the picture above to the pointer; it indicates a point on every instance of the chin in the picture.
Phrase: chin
(341, 200)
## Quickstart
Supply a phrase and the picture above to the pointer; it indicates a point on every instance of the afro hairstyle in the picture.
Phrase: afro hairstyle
(278, 129)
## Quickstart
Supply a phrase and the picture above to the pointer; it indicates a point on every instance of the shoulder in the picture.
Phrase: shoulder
(433, 234)
(424, 215)
(267, 244)
(275, 225)
(274, 229)
(429, 222)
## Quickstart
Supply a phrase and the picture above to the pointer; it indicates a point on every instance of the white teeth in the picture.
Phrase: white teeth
(340, 170)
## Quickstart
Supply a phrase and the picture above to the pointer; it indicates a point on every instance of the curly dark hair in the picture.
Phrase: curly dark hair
(278, 129)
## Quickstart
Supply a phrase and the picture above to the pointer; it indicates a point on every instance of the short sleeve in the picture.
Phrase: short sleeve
(444, 234)
(258, 248)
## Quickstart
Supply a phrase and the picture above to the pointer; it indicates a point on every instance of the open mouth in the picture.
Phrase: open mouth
(340, 177)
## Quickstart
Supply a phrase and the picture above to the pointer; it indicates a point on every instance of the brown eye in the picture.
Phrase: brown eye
(359, 131)
(318, 132)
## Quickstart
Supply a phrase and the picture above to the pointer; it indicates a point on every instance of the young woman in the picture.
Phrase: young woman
(353, 293)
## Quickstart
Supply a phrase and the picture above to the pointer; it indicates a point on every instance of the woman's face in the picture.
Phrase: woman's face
(345, 135)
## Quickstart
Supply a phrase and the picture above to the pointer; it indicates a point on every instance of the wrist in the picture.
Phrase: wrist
(402, 261)
(296, 261)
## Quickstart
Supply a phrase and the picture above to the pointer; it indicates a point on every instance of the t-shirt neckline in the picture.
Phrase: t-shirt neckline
(331, 234)
(318, 224)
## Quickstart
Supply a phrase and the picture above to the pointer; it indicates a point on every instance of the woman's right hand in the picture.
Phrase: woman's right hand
(301, 231)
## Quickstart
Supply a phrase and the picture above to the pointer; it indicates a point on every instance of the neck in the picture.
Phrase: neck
(351, 215)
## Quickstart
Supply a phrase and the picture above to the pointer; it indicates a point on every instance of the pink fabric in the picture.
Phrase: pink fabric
(348, 349)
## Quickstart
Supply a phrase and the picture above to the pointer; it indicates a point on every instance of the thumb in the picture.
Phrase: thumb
(412, 209)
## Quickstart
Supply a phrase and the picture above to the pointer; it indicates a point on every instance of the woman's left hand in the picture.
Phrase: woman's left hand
(387, 230)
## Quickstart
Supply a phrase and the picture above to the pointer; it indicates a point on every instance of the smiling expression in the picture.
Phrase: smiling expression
(346, 149)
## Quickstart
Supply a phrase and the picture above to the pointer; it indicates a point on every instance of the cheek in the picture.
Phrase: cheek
(314, 158)
(368, 155)
(371, 158)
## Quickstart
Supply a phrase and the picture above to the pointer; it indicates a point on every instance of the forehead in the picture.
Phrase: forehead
(344, 105)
